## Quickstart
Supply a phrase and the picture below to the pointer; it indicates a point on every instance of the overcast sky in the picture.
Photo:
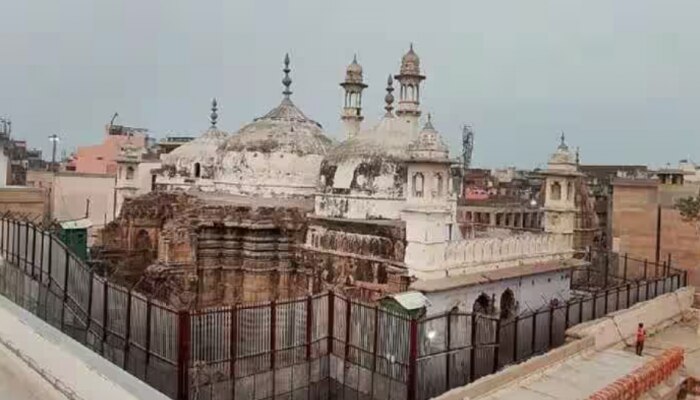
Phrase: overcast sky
(621, 77)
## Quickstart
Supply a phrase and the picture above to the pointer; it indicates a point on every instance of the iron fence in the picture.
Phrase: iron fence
(319, 347)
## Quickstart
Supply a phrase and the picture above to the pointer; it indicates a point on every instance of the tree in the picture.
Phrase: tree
(689, 207)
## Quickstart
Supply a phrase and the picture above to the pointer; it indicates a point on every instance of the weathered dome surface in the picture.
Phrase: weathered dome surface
(277, 154)
(201, 150)
(371, 163)
(410, 63)
(285, 128)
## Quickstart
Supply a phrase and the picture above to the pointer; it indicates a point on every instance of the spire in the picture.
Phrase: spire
(213, 117)
(389, 98)
(287, 81)
(578, 159)
(429, 124)
(562, 144)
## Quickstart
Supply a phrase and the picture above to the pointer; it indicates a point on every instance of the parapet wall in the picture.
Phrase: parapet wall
(72, 369)
(509, 249)
(615, 329)
(619, 328)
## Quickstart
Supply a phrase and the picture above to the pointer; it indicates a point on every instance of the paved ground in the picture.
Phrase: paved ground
(19, 382)
(576, 378)
(683, 334)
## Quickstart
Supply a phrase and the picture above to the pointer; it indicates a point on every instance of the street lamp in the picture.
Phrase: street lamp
(54, 139)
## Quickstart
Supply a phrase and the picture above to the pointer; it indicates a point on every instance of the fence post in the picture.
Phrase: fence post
(496, 350)
(41, 258)
(26, 245)
(566, 317)
(668, 263)
(472, 354)
(607, 269)
(50, 260)
(309, 325)
(580, 310)
(448, 340)
(148, 338)
(273, 341)
(233, 349)
(515, 339)
(33, 250)
(629, 289)
(374, 350)
(624, 274)
(183, 355)
(89, 306)
(605, 308)
(331, 320)
(348, 317)
(645, 269)
(413, 358)
(127, 336)
(551, 325)
(105, 311)
(534, 331)
(65, 290)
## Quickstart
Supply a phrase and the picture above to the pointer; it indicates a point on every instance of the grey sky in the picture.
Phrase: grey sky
(620, 77)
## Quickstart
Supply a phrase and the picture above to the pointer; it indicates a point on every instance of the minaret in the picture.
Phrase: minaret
(352, 108)
(560, 192)
(409, 88)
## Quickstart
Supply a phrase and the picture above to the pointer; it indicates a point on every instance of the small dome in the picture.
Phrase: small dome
(353, 73)
(562, 158)
(201, 150)
(429, 144)
(410, 63)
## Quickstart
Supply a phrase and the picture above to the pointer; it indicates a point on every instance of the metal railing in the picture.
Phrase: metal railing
(318, 347)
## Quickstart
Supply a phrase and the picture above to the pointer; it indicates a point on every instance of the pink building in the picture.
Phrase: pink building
(102, 158)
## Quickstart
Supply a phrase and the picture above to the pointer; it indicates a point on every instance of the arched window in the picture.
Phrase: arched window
(129, 172)
(507, 304)
(197, 170)
(482, 304)
(438, 178)
(555, 191)
(418, 184)
(569, 191)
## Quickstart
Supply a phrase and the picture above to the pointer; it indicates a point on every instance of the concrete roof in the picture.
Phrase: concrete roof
(575, 378)
(477, 278)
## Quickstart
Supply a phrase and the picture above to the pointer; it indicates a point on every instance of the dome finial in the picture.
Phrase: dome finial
(562, 144)
(213, 117)
(287, 81)
(389, 98)
(354, 58)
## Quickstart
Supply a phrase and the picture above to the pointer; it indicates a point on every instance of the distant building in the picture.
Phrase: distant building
(102, 158)
(645, 222)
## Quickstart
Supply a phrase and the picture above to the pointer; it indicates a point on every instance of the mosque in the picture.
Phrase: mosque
(278, 209)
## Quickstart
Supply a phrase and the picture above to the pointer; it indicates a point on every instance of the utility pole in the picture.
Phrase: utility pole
(53, 138)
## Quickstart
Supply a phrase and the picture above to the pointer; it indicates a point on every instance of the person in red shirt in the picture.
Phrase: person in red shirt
(641, 335)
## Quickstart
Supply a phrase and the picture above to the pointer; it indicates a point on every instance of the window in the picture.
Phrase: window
(569, 191)
(438, 177)
(555, 191)
(418, 184)
(197, 170)
(130, 173)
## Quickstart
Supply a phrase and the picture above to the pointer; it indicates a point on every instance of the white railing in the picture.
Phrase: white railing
(490, 250)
